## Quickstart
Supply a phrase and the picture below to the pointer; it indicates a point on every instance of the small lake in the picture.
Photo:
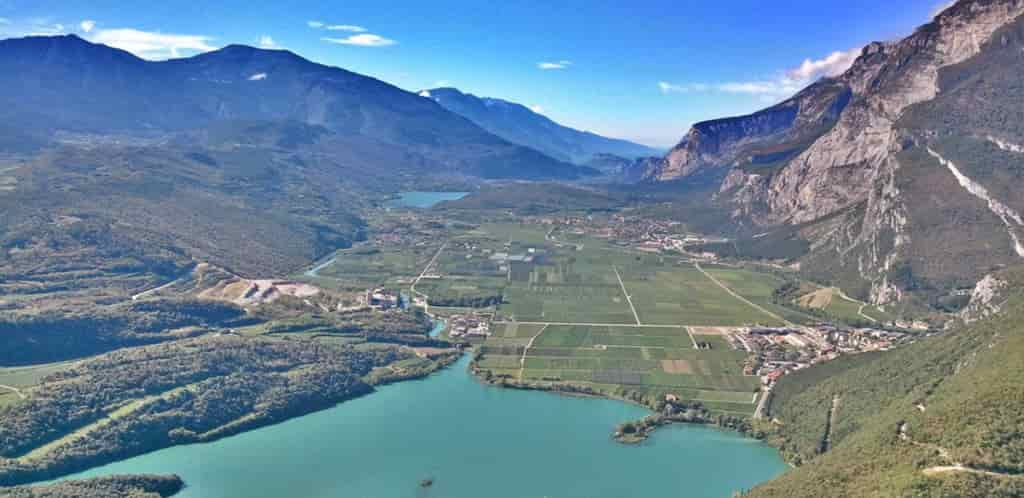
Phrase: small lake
(424, 200)
(475, 441)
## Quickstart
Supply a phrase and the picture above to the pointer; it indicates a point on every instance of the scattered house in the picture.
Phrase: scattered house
(472, 325)
(383, 299)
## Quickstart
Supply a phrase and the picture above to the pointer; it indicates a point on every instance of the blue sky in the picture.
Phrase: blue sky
(639, 70)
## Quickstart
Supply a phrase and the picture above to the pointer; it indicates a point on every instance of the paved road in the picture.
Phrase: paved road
(759, 411)
(161, 287)
(586, 324)
(426, 298)
(954, 466)
(692, 339)
(860, 311)
(522, 360)
(741, 298)
(629, 298)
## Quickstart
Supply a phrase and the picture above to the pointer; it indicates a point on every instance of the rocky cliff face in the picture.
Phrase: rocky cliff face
(723, 142)
(845, 150)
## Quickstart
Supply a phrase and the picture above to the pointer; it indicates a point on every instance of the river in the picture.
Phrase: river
(473, 440)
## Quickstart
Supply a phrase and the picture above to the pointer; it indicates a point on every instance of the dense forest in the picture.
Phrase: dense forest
(141, 486)
(177, 392)
(56, 336)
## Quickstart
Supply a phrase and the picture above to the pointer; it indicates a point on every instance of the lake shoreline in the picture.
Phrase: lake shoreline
(646, 425)
(447, 428)
(44, 476)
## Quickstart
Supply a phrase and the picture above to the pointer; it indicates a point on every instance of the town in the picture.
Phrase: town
(775, 352)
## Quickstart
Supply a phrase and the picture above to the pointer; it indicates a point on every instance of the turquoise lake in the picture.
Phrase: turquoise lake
(475, 441)
(424, 199)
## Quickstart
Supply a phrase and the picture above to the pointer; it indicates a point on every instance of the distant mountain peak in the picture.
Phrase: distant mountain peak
(522, 125)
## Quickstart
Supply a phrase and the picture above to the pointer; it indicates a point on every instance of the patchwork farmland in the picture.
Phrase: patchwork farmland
(585, 312)
(624, 323)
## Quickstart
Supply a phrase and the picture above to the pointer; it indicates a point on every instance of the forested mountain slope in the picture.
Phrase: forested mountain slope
(941, 417)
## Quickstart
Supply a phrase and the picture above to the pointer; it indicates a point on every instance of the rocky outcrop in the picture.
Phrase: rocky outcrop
(985, 299)
(838, 147)
(722, 142)
(840, 168)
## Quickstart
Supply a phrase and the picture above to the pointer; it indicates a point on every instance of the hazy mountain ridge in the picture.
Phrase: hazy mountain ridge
(857, 162)
(521, 125)
(66, 83)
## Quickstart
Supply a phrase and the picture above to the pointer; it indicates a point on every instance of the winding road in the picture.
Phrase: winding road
(522, 360)
(15, 390)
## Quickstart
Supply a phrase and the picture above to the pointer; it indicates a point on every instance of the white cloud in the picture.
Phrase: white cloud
(87, 25)
(347, 27)
(772, 90)
(362, 40)
(554, 65)
(153, 45)
(833, 65)
(258, 77)
(774, 87)
(442, 83)
(4, 20)
(537, 108)
(351, 28)
(667, 87)
(425, 93)
(268, 42)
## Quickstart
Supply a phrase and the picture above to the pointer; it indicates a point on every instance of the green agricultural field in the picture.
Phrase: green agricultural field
(580, 311)
(513, 330)
(547, 301)
(843, 309)
(682, 295)
(620, 360)
(368, 267)
(829, 302)
(462, 291)
(31, 375)
(516, 233)
(757, 287)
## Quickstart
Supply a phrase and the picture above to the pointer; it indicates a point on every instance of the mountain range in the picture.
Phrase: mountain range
(521, 125)
(66, 83)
